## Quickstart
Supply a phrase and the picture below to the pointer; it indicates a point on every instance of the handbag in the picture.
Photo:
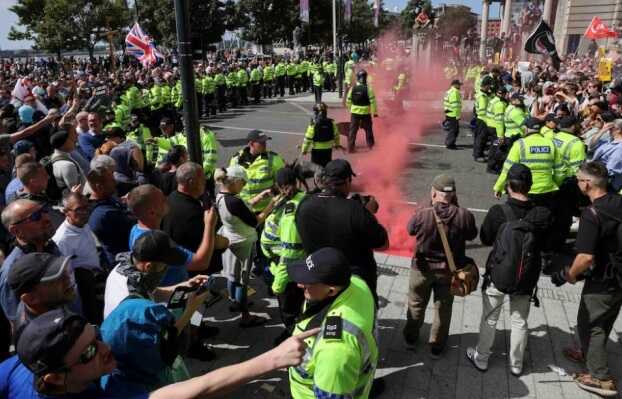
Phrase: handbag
(463, 280)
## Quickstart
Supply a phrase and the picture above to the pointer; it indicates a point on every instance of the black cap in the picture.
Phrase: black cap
(520, 172)
(286, 176)
(338, 169)
(567, 121)
(456, 82)
(550, 118)
(34, 268)
(533, 123)
(58, 139)
(157, 246)
(327, 266)
(258, 136)
(46, 340)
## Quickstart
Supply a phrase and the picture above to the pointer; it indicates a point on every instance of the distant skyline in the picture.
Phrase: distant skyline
(8, 19)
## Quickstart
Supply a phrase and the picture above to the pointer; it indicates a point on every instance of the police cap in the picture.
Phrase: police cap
(326, 266)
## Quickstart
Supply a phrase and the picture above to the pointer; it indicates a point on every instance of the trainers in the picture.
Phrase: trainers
(516, 371)
(599, 387)
(436, 351)
(574, 355)
(470, 355)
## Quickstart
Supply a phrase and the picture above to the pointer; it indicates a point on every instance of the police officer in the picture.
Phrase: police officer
(141, 135)
(362, 104)
(156, 105)
(268, 79)
(515, 115)
(550, 126)
(341, 359)
(513, 118)
(280, 71)
(321, 136)
(452, 104)
(282, 244)
(318, 82)
(243, 84)
(291, 71)
(232, 86)
(255, 82)
(221, 89)
(482, 97)
(539, 154)
(260, 165)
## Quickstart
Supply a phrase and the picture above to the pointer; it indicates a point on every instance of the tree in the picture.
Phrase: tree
(29, 13)
(457, 20)
(361, 28)
(410, 12)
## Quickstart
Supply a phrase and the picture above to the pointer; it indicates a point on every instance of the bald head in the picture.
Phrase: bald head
(146, 202)
(15, 211)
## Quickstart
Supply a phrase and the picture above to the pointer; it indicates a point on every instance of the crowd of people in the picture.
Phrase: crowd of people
(552, 138)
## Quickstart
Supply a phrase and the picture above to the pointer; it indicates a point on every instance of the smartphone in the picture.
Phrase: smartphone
(179, 297)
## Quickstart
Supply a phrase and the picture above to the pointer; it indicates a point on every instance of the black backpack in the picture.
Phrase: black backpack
(53, 191)
(514, 263)
(323, 130)
(360, 96)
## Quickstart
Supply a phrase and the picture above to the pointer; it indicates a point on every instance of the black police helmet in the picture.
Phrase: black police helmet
(361, 76)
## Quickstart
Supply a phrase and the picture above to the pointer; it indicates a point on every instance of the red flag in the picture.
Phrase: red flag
(598, 30)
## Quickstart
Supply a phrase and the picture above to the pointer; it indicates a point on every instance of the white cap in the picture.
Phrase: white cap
(236, 172)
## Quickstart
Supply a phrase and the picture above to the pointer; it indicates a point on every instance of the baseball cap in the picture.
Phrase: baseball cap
(520, 172)
(236, 172)
(327, 266)
(285, 176)
(533, 123)
(34, 268)
(444, 183)
(22, 147)
(338, 169)
(45, 341)
(516, 96)
(58, 139)
(157, 246)
(567, 122)
(258, 135)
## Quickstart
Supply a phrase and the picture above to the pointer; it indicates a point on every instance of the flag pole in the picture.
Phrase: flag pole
(334, 28)
(190, 111)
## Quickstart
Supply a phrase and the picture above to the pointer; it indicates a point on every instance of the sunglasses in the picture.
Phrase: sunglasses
(89, 353)
(33, 217)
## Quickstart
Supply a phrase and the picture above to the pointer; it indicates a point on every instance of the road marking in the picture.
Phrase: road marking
(426, 145)
(300, 107)
(249, 129)
(470, 209)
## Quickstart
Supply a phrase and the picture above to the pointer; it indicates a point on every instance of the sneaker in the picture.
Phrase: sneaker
(480, 159)
(410, 344)
(516, 371)
(605, 388)
(470, 355)
(435, 351)
(574, 355)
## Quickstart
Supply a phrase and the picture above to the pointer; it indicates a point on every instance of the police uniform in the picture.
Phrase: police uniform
(280, 71)
(340, 361)
(362, 103)
(481, 127)
(209, 148)
(321, 137)
(452, 104)
(260, 170)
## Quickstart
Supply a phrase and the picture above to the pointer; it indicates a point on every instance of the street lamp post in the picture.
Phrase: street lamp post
(190, 112)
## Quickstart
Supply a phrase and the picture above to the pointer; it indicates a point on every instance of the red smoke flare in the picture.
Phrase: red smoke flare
(379, 171)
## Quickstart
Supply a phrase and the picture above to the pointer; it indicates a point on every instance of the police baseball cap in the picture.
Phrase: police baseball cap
(533, 123)
(34, 268)
(157, 246)
(46, 340)
(338, 169)
(444, 183)
(258, 136)
(327, 266)
(567, 121)
(520, 172)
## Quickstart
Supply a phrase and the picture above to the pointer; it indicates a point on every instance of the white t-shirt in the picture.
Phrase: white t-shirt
(116, 291)
(78, 242)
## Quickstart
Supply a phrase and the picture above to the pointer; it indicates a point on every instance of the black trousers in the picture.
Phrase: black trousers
(480, 137)
(209, 108)
(598, 310)
(317, 91)
(304, 82)
(234, 93)
(291, 84)
(91, 291)
(243, 95)
(280, 86)
(267, 89)
(256, 92)
(453, 129)
(290, 305)
(321, 157)
(221, 95)
(360, 122)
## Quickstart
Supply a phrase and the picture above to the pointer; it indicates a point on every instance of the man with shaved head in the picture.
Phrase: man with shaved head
(29, 223)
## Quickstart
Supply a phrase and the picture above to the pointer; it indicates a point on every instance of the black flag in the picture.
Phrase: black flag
(541, 41)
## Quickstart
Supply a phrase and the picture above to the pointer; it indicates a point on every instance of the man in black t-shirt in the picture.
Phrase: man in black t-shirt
(331, 219)
(601, 297)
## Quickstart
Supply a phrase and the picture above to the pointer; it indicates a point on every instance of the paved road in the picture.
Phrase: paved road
(411, 374)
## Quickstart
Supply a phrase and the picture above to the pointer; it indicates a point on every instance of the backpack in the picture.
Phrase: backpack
(514, 263)
(360, 95)
(53, 191)
(323, 130)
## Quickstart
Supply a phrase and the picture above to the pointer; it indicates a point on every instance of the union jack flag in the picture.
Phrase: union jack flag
(142, 46)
